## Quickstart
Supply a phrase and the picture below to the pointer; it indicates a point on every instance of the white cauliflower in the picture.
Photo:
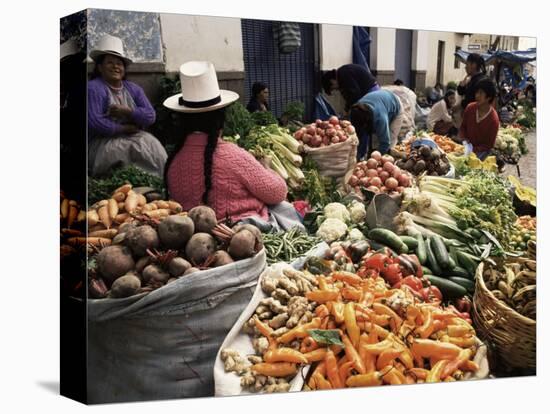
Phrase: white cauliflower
(332, 229)
(358, 212)
(356, 235)
(337, 211)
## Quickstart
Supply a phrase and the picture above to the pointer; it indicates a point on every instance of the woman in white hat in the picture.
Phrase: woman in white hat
(205, 169)
(118, 113)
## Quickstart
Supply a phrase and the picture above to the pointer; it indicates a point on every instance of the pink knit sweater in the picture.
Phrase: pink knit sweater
(241, 186)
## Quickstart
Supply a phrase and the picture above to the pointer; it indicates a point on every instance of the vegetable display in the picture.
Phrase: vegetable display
(136, 247)
(288, 246)
(379, 174)
(424, 159)
(354, 331)
(514, 283)
(323, 133)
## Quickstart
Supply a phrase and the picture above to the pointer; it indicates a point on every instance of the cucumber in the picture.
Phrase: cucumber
(466, 261)
(421, 249)
(411, 242)
(434, 265)
(452, 253)
(460, 272)
(375, 245)
(452, 263)
(389, 238)
(427, 271)
(440, 251)
(475, 233)
(468, 284)
(448, 288)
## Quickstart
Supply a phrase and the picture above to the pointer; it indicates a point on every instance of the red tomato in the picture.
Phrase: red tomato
(413, 282)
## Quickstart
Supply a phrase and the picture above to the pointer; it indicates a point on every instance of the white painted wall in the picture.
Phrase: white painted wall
(527, 43)
(382, 55)
(216, 39)
(336, 45)
(420, 43)
(451, 40)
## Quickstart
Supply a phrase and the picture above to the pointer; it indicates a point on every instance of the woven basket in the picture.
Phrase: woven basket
(512, 335)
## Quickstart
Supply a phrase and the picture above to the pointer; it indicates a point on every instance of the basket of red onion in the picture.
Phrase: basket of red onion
(378, 174)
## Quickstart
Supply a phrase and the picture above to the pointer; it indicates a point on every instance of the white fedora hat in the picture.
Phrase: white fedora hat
(200, 90)
(109, 45)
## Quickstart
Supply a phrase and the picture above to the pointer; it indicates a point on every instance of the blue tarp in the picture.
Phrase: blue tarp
(516, 56)
(361, 42)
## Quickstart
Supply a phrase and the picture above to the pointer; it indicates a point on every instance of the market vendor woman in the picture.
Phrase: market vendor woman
(118, 113)
(205, 169)
(480, 121)
(259, 98)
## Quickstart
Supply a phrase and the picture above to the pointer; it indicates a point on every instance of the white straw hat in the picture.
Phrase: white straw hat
(109, 45)
(200, 90)
(68, 48)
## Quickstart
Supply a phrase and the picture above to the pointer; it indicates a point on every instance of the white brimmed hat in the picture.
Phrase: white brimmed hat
(200, 90)
(110, 45)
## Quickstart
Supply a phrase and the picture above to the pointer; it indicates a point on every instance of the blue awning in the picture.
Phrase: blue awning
(516, 56)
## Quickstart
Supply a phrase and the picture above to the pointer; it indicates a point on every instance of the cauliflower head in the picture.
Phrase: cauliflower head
(356, 235)
(358, 212)
(336, 211)
(332, 229)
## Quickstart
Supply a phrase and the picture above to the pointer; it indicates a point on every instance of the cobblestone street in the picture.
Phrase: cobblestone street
(527, 163)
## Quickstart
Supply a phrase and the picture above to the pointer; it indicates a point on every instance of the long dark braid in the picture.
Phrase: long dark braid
(210, 123)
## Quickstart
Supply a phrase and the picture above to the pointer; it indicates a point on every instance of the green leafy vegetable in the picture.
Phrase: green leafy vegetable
(326, 336)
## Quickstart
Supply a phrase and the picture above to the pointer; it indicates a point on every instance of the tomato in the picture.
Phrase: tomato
(377, 261)
(413, 258)
(413, 282)
(430, 293)
(392, 273)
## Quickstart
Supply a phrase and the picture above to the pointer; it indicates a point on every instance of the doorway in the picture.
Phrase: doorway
(440, 61)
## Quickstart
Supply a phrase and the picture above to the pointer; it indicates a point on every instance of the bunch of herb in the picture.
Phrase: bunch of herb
(102, 188)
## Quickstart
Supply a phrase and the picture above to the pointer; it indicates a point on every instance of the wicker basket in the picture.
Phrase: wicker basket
(512, 335)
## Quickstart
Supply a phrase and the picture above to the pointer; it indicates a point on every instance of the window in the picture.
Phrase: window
(457, 62)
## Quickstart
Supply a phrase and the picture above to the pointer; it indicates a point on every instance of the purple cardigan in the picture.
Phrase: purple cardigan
(98, 103)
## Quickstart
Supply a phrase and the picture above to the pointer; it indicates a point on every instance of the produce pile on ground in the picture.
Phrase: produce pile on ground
(288, 246)
(354, 330)
(102, 188)
(323, 133)
(510, 144)
(338, 221)
(524, 231)
(151, 247)
(444, 143)
(514, 283)
(424, 159)
(448, 207)
(379, 174)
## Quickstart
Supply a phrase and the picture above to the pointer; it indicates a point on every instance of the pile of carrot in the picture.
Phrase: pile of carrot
(447, 144)
(105, 216)
(387, 337)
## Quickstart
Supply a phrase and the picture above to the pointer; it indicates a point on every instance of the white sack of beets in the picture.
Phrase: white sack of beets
(163, 344)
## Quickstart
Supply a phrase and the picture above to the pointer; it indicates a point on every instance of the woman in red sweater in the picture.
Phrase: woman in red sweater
(205, 169)
(480, 121)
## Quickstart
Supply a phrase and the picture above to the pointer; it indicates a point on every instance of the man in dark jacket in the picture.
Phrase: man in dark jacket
(353, 81)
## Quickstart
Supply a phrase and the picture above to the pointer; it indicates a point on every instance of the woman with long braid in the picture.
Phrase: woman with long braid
(205, 169)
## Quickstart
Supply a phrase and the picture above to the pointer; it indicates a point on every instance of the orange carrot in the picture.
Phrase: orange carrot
(118, 197)
(131, 202)
(123, 189)
(92, 217)
(65, 208)
(113, 208)
(275, 369)
(108, 233)
(104, 217)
